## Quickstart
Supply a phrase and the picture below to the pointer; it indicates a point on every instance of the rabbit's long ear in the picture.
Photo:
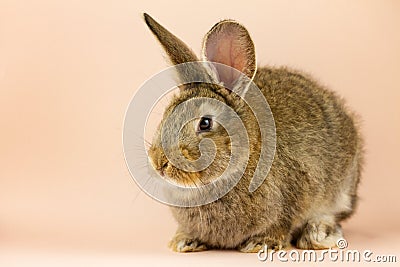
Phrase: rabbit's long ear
(229, 43)
(178, 52)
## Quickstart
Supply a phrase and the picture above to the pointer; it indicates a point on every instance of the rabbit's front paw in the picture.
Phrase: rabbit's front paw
(256, 243)
(184, 243)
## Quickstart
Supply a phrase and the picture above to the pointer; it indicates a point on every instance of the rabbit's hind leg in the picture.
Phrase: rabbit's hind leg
(319, 233)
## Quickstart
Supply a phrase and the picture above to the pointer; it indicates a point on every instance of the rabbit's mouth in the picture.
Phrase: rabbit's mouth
(180, 177)
(162, 169)
(160, 163)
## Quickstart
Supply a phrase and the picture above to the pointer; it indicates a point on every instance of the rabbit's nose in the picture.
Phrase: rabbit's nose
(158, 160)
(161, 170)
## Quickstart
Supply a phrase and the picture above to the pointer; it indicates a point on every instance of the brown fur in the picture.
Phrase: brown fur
(312, 184)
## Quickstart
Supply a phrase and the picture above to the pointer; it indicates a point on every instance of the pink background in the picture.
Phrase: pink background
(68, 70)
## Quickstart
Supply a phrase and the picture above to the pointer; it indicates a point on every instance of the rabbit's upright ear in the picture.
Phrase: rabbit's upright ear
(229, 43)
(178, 52)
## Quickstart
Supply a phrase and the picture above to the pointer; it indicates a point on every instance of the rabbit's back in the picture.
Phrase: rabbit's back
(315, 129)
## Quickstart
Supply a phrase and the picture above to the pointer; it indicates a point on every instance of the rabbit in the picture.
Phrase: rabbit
(312, 184)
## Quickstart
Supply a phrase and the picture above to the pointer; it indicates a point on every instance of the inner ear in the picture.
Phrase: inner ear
(229, 43)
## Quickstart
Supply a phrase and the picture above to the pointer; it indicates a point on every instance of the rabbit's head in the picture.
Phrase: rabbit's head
(193, 144)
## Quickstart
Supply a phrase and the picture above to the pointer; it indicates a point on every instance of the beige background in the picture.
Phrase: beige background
(68, 70)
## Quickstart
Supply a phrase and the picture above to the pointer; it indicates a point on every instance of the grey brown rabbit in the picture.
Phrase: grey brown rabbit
(312, 183)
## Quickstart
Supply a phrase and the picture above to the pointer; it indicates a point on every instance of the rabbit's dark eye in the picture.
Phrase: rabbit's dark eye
(205, 124)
